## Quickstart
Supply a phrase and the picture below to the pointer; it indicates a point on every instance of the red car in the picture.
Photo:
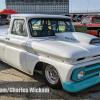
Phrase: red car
(93, 25)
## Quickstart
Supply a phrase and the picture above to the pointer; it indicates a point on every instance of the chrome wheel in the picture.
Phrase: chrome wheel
(51, 74)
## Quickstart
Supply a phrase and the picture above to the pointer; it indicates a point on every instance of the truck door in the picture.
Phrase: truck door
(2, 48)
(15, 50)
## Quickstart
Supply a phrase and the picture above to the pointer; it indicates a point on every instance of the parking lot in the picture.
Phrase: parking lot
(12, 77)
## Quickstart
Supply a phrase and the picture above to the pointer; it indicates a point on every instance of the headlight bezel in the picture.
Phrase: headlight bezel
(76, 72)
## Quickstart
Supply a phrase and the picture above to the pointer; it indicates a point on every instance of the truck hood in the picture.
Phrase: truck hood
(64, 49)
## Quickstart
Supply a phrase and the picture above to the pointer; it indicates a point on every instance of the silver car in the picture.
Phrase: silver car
(5, 21)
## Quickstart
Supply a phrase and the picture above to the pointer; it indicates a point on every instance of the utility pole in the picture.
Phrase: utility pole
(88, 5)
(71, 5)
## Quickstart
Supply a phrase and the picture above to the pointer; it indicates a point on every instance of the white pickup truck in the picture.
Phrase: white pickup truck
(49, 43)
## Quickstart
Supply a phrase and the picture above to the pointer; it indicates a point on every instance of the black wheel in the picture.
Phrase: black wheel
(77, 20)
(51, 76)
(99, 34)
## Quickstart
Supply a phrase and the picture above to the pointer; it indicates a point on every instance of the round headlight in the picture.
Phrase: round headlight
(80, 75)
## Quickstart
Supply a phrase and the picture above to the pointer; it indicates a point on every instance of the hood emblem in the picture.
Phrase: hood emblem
(68, 38)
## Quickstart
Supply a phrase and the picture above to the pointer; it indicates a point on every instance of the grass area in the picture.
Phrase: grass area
(81, 28)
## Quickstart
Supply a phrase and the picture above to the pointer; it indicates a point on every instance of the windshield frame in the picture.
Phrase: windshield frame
(57, 19)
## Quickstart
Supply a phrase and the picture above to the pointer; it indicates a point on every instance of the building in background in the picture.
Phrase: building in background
(39, 6)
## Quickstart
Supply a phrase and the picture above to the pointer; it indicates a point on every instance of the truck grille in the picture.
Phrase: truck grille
(89, 71)
(92, 69)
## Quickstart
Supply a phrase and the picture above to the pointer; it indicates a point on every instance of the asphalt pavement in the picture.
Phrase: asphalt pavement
(11, 77)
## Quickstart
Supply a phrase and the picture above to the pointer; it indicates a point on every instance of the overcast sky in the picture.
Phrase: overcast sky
(82, 5)
(77, 5)
(2, 4)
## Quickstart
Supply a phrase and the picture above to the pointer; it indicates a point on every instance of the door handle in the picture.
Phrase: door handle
(7, 38)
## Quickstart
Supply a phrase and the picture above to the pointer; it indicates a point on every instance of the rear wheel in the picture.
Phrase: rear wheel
(99, 34)
(51, 76)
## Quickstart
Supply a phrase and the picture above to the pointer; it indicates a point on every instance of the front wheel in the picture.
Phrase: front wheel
(51, 76)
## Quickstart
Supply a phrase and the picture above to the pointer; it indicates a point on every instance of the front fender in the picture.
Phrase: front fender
(62, 68)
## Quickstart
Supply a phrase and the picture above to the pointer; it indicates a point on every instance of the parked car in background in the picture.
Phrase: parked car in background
(9, 19)
(79, 19)
(85, 21)
(84, 16)
(76, 18)
(5, 21)
(93, 25)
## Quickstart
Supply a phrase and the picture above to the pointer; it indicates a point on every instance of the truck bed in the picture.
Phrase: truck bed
(3, 31)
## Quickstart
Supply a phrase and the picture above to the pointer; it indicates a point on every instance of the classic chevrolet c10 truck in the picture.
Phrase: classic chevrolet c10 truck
(49, 43)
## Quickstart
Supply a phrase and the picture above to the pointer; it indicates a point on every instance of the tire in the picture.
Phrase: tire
(99, 34)
(77, 20)
(50, 78)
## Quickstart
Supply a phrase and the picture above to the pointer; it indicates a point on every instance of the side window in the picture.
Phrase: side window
(19, 27)
(96, 20)
(86, 20)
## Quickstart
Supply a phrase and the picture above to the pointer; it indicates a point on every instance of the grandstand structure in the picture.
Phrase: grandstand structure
(39, 6)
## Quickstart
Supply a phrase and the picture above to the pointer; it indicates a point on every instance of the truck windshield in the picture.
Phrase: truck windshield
(48, 27)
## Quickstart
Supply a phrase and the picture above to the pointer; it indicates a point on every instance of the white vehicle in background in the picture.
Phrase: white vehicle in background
(49, 43)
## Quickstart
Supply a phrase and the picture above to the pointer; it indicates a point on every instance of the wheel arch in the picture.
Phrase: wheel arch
(42, 63)
(37, 66)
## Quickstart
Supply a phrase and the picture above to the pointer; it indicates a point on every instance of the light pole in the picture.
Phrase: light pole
(4, 5)
(88, 5)
(71, 5)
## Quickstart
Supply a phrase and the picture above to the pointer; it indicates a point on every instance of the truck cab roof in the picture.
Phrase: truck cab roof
(40, 16)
